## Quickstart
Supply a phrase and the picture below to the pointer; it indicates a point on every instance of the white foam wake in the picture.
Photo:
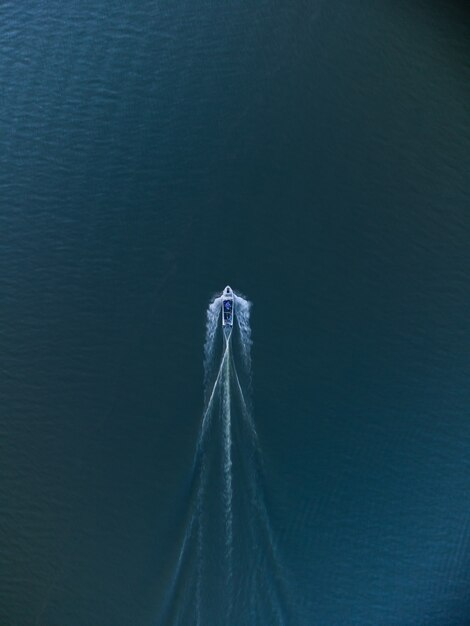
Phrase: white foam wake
(242, 317)
(212, 323)
(229, 557)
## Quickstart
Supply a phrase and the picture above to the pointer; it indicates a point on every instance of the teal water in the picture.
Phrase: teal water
(313, 156)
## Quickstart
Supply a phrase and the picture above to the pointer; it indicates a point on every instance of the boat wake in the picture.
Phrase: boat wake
(228, 563)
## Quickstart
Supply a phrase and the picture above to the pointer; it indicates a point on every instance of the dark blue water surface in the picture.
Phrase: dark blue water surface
(313, 155)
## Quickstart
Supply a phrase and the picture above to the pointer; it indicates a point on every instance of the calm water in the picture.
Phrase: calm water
(315, 156)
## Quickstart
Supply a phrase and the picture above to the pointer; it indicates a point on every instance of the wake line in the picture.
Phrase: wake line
(205, 420)
(246, 412)
(228, 477)
(199, 572)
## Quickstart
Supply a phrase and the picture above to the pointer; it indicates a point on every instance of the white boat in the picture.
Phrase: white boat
(228, 308)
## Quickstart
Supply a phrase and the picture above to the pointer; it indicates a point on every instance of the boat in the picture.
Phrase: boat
(228, 303)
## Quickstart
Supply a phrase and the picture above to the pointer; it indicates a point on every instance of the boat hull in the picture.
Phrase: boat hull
(228, 306)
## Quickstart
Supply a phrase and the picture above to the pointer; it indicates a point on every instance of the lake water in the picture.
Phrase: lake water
(314, 156)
